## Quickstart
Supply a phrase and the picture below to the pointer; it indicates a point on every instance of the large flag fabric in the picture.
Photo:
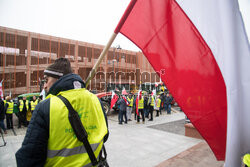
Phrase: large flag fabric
(43, 94)
(1, 89)
(114, 98)
(204, 50)
(126, 101)
(124, 92)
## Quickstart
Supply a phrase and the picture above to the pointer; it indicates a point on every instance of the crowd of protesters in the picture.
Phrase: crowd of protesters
(144, 106)
(148, 106)
(25, 108)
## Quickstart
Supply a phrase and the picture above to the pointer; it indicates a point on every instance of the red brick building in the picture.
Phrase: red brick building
(24, 56)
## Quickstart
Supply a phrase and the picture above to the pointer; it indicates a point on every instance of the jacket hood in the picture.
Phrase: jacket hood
(66, 82)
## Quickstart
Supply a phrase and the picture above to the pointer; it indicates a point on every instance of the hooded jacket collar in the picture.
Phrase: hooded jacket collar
(66, 82)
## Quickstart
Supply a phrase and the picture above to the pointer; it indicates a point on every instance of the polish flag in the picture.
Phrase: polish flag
(124, 92)
(114, 98)
(203, 47)
(124, 98)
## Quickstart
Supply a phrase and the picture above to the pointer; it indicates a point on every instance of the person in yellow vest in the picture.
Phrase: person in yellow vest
(130, 106)
(50, 138)
(2, 116)
(158, 106)
(9, 106)
(246, 160)
(151, 103)
(140, 110)
(33, 103)
(23, 106)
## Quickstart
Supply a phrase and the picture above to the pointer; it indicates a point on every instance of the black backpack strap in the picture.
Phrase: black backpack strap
(79, 130)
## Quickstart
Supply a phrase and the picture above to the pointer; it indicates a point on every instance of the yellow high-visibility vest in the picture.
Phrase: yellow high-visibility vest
(152, 101)
(246, 159)
(64, 149)
(158, 103)
(141, 103)
(33, 104)
(131, 101)
(10, 108)
(21, 104)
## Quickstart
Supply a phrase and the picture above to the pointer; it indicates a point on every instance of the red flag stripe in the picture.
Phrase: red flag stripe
(172, 43)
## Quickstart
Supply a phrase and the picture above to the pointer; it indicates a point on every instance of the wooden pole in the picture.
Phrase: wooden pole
(111, 40)
(103, 54)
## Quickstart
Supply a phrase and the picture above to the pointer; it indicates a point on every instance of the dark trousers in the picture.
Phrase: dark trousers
(169, 109)
(157, 113)
(141, 112)
(2, 126)
(9, 121)
(21, 119)
(120, 116)
(146, 112)
(151, 109)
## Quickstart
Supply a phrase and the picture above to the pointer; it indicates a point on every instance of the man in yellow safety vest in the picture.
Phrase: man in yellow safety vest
(9, 106)
(23, 108)
(53, 137)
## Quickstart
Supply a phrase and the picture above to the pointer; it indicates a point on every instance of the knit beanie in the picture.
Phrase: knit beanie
(59, 68)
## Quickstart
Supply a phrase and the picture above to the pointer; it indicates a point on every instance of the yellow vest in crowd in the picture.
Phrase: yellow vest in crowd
(152, 101)
(33, 104)
(21, 105)
(141, 103)
(158, 103)
(64, 149)
(10, 108)
(246, 159)
(131, 101)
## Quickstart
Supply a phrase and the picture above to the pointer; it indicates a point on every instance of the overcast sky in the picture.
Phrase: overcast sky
(85, 20)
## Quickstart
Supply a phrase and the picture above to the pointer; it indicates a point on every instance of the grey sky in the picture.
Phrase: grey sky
(85, 20)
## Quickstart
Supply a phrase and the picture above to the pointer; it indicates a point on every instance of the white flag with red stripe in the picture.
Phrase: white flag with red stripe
(114, 98)
(126, 101)
(203, 47)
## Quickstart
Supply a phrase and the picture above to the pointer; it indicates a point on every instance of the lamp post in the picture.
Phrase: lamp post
(115, 59)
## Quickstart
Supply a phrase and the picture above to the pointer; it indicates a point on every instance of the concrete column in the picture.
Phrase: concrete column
(76, 58)
(28, 64)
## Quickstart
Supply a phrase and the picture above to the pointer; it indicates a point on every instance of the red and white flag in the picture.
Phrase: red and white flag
(114, 98)
(203, 47)
(126, 101)
(124, 92)
(1, 90)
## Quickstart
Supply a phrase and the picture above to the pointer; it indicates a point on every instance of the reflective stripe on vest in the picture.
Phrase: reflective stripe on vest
(141, 104)
(158, 103)
(10, 108)
(33, 105)
(68, 152)
(21, 105)
(64, 149)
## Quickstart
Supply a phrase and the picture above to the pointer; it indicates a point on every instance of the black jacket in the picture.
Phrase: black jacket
(123, 106)
(33, 152)
(2, 113)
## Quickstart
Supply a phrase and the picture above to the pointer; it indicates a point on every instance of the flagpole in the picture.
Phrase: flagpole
(111, 40)
(104, 52)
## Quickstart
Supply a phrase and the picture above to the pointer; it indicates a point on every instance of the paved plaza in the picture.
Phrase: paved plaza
(156, 143)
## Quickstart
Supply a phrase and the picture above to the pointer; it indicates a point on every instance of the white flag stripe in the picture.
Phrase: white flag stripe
(220, 24)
